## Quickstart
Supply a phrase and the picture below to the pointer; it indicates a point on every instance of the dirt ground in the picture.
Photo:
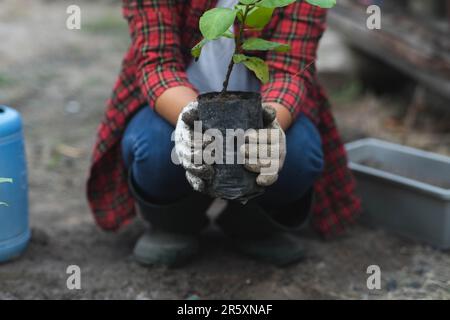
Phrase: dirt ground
(59, 79)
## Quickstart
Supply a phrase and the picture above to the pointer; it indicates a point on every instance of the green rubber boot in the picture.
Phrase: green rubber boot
(173, 237)
(265, 236)
(164, 248)
(280, 249)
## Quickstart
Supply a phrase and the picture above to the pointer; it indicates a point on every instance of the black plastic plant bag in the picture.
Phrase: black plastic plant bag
(233, 110)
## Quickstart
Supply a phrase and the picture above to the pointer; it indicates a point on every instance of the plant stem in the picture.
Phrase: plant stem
(227, 78)
(238, 44)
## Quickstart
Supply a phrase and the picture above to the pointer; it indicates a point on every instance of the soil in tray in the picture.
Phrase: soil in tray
(403, 172)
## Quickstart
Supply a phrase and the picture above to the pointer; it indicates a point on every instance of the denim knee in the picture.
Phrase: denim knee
(147, 152)
(304, 145)
(303, 165)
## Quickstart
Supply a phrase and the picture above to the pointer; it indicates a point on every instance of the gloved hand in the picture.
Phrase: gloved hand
(189, 146)
(265, 149)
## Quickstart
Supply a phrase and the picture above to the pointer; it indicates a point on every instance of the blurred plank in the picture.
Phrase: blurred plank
(418, 49)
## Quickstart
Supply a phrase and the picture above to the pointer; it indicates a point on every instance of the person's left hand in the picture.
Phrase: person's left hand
(264, 150)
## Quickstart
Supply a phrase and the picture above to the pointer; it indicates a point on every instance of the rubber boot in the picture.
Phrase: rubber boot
(173, 237)
(267, 235)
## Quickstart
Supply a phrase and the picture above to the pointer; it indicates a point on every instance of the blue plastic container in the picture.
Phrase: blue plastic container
(14, 228)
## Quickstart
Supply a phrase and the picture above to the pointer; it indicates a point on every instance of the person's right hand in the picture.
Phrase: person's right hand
(188, 145)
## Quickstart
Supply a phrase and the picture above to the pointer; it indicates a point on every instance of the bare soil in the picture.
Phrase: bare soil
(59, 80)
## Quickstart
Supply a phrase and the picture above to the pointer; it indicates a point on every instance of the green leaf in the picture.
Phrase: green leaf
(228, 34)
(239, 12)
(258, 17)
(323, 3)
(255, 64)
(259, 67)
(274, 3)
(197, 49)
(261, 44)
(215, 22)
(238, 58)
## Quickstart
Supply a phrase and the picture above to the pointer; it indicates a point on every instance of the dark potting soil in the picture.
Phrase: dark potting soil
(224, 111)
(403, 172)
(227, 96)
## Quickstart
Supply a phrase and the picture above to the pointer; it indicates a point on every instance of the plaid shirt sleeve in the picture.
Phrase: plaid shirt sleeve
(156, 49)
(291, 74)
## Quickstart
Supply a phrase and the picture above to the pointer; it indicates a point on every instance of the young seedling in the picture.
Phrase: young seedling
(232, 181)
(248, 15)
(5, 180)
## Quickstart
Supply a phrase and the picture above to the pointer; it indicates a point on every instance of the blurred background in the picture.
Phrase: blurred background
(392, 84)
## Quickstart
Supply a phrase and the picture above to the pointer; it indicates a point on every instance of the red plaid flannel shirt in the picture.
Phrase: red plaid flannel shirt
(162, 33)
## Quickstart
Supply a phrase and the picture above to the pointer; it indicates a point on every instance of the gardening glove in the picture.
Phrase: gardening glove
(264, 150)
(189, 148)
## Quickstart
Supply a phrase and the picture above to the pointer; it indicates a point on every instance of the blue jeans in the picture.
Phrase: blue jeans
(147, 148)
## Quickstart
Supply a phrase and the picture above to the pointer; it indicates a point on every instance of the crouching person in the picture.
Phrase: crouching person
(155, 95)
